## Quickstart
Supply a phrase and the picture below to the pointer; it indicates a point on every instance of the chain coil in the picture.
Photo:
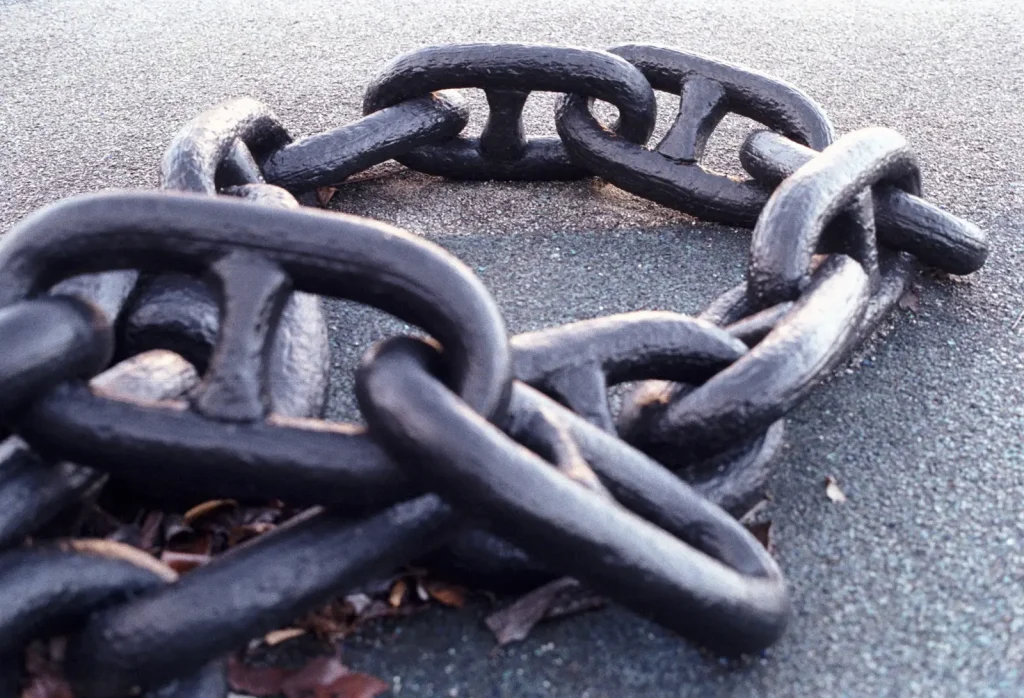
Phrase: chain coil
(496, 456)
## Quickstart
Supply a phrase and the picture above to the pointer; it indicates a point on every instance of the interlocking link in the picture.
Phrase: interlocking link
(45, 589)
(49, 340)
(903, 221)
(723, 590)
(671, 174)
(508, 73)
(498, 459)
(214, 152)
(33, 491)
(327, 254)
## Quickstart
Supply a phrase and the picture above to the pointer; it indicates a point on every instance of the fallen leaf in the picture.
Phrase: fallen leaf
(573, 601)
(354, 685)
(207, 508)
(276, 637)
(762, 530)
(832, 490)
(183, 562)
(149, 537)
(256, 681)
(325, 194)
(397, 594)
(453, 596)
(910, 300)
(327, 677)
(515, 622)
(244, 532)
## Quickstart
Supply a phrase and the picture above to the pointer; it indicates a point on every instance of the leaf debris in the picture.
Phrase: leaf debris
(833, 492)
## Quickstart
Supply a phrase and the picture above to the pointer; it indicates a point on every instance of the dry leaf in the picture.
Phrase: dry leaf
(353, 685)
(276, 637)
(453, 596)
(183, 562)
(256, 681)
(515, 622)
(832, 490)
(207, 508)
(327, 677)
(325, 194)
(573, 601)
(243, 533)
(397, 594)
(910, 300)
(762, 530)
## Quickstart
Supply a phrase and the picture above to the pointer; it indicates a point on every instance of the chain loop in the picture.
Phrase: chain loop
(671, 174)
(701, 591)
(508, 73)
(467, 429)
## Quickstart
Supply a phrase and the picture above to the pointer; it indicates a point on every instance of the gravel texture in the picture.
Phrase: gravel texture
(913, 587)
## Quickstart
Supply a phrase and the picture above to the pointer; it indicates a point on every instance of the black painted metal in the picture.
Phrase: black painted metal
(508, 72)
(904, 221)
(49, 340)
(48, 589)
(246, 593)
(33, 491)
(535, 476)
(724, 591)
(214, 152)
(671, 174)
(332, 255)
(330, 157)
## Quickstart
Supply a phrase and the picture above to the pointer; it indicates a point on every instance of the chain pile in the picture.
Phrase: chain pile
(497, 456)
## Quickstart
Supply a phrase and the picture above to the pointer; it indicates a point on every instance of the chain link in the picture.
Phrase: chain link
(496, 457)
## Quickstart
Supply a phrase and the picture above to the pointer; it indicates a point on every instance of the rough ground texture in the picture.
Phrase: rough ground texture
(913, 587)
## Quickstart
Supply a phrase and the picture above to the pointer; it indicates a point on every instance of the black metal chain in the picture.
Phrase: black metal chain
(497, 457)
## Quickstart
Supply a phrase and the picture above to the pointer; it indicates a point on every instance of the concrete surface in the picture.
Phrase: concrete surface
(911, 588)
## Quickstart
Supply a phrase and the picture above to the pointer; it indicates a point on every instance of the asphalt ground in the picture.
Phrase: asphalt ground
(912, 587)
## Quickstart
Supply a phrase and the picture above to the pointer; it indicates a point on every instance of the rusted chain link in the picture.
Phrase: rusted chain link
(498, 457)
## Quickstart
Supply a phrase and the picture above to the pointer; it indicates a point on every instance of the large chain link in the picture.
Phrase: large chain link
(497, 457)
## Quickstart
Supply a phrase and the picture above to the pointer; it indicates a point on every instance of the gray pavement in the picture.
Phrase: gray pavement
(913, 587)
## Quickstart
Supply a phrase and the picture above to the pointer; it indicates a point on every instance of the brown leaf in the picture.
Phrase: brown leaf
(327, 677)
(762, 530)
(183, 562)
(910, 300)
(833, 492)
(454, 596)
(573, 601)
(354, 685)
(325, 194)
(207, 508)
(244, 532)
(397, 595)
(276, 637)
(515, 622)
(257, 681)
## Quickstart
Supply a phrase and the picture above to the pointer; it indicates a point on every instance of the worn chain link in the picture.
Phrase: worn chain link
(499, 458)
